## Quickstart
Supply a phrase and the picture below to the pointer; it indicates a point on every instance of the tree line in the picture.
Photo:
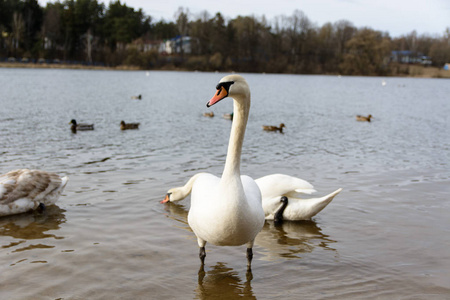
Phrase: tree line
(87, 31)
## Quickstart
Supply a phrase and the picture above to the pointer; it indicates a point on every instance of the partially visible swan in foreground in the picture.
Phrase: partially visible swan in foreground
(80, 126)
(281, 197)
(227, 211)
(126, 126)
(274, 128)
(23, 190)
(363, 118)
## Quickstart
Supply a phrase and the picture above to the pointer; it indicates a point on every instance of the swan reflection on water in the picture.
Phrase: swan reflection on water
(286, 240)
(222, 282)
(290, 239)
(33, 225)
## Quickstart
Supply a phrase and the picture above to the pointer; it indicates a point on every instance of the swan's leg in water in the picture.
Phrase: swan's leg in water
(249, 257)
(202, 255)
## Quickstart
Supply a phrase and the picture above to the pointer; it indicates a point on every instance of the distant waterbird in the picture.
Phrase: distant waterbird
(361, 118)
(126, 126)
(208, 114)
(80, 126)
(228, 116)
(274, 128)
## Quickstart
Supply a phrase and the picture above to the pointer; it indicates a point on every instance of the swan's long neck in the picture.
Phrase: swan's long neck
(187, 188)
(241, 108)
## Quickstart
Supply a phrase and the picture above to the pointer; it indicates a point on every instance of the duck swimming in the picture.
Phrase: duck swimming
(228, 116)
(126, 126)
(82, 126)
(208, 114)
(274, 128)
(363, 118)
(24, 190)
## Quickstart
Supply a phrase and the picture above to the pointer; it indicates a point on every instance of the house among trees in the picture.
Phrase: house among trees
(164, 47)
(410, 57)
(177, 45)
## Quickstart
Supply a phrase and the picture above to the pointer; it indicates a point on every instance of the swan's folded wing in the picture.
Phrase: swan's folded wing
(277, 185)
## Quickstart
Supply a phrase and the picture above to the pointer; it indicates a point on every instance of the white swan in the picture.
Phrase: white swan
(227, 211)
(273, 188)
(23, 190)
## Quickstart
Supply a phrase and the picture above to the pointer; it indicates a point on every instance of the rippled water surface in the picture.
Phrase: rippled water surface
(385, 236)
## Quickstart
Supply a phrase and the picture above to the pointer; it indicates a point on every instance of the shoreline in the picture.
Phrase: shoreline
(414, 71)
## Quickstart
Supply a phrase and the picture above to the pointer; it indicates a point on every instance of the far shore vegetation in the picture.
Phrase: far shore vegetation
(90, 34)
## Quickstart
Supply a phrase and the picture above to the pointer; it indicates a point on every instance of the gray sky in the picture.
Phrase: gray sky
(397, 17)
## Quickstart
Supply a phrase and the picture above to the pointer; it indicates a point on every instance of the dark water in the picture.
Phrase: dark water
(386, 236)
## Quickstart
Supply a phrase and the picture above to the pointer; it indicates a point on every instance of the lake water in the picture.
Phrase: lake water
(385, 236)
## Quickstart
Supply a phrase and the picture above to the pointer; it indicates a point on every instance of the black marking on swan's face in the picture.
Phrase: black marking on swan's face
(226, 85)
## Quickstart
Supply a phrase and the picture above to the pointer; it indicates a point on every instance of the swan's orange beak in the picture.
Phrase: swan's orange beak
(166, 199)
(221, 93)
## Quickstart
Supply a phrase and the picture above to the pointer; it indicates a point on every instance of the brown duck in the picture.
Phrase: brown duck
(274, 128)
(126, 126)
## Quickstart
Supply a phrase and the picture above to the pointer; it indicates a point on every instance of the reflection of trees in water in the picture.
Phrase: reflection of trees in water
(222, 282)
(290, 239)
(33, 225)
(286, 240)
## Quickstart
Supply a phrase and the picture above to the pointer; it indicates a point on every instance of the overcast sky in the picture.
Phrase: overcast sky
(398, 17)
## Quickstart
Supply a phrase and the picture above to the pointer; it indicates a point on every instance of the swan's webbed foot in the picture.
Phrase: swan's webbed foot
(278, 217)
(202, 255)
(249, 259)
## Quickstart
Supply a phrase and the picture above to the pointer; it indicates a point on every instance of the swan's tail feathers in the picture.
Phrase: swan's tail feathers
(325, 200)
(336, 192)
(318, 204)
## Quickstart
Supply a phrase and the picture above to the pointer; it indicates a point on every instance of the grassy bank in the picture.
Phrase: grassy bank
(419, 71)
(64, 66)
(396, 70)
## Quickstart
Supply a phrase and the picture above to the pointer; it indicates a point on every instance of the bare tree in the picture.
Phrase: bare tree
(18, 29)
(182, 21)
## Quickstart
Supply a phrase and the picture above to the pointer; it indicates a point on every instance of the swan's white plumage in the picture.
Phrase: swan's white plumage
(227, 211)
(23, 190)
